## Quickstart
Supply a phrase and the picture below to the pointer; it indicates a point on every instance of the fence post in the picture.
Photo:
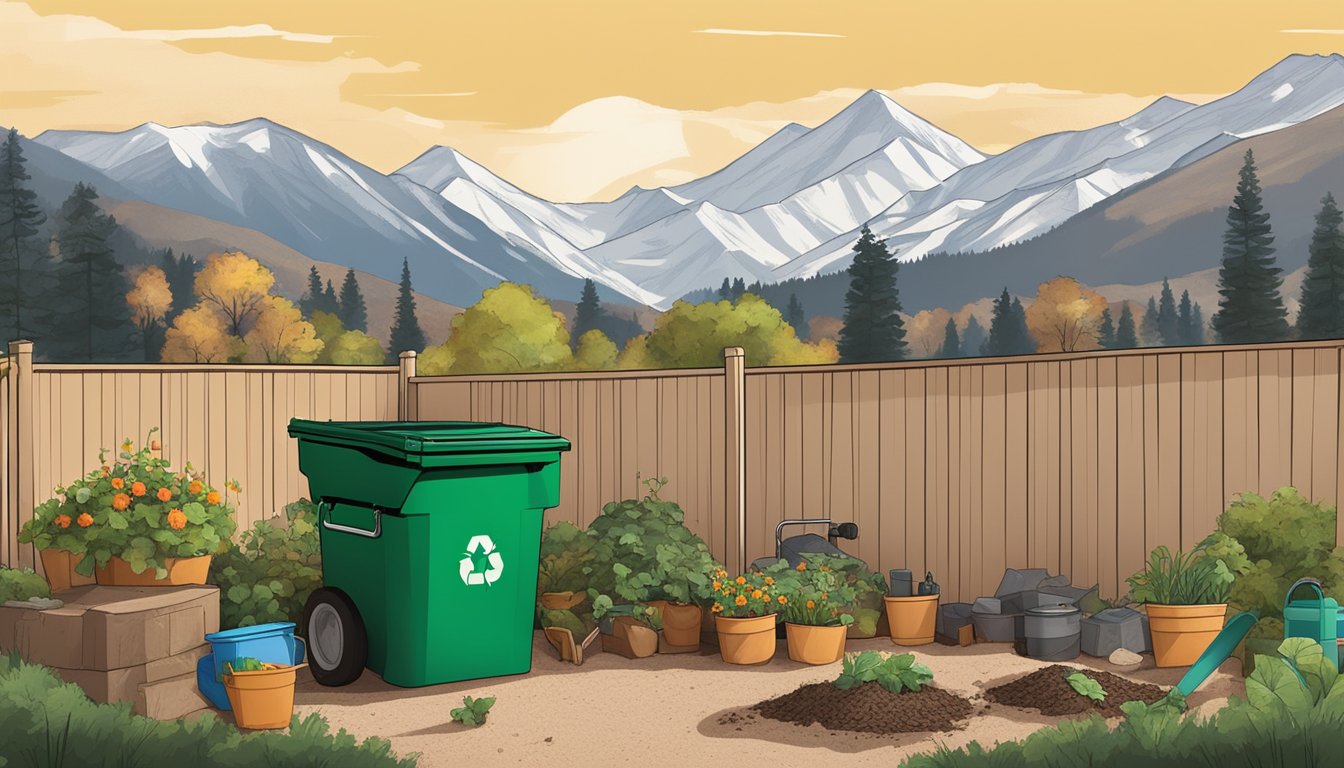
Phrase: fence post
(406, 410)
(20, 445)
(735, 414)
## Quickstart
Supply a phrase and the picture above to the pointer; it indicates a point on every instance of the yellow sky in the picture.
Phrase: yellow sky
(579, 100)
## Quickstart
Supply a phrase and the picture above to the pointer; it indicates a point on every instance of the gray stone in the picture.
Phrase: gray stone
(1015, 580)
(987, 605)
(1067, 594)
(1112, 629)
(1054, 581)
(36, 603)
(1125, 658)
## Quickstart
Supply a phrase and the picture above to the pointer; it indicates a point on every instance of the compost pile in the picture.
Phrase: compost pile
(1048, 691)
(868, 708)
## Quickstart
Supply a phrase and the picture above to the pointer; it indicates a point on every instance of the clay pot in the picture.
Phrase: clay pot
(681, 623)
(181, 570)
(746, 641)
(912, 619)
(560, 601)
(630, 638)
(1181, 633)
(816, 645)
(59, 567)
(263, 699)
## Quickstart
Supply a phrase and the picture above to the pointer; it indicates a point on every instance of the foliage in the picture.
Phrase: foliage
(1125, 335)
(245, 664)
(48, 722)
(1202, 576)
(269, 575)
(1322, 313)
(1106, 330)
(281, 335)
(1065, 316)
(794, 316)
(635, 355)
(473, 711)
(135, 508)
(356, 348)
(406, 336)
(873, 330)
(1008, 332)
(200, 335)
(24, 263)
(21, 584)
(150, 300)
(895, 672)
(695, 335)
(595, 352)
(1189, 322)
(1168, 324)
(354, 316)
(509, 330)
(818, 594)
(236, 286)
(587, 311)
(869, 589)
(1250, 308)
(181, 271)
(435, 361)
(751, 594)
(1086, 686)
(566, 559)
(86, 323)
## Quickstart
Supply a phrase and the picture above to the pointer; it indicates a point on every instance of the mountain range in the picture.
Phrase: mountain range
(791, 207)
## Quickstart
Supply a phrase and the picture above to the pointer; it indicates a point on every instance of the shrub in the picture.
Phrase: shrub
(270, 574)
(894, 672)
(48, 722)
(1196, 577)
(752, 594)
(21, 584)
(565, 563)
(869, 589)
(817, 594)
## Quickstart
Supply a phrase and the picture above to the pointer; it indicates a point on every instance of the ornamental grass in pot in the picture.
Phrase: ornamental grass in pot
(815, 619)
(746, 609)
(1186, 595)
(135, 522)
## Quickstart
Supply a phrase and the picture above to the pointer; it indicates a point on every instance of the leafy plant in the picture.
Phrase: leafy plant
(894, 672)
(604, 607)
(21, 584)
(246, 664)
(1086, 686)
(869, 589)
(473, 711)
(134, 507)
(752, 594)
(269, 575)
(566, 560)
(1196, 577)
(817, 594)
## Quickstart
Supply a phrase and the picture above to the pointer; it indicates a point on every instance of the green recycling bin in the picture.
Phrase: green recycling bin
(429, 534)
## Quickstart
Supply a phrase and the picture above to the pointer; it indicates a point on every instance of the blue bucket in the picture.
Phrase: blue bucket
(273, 643)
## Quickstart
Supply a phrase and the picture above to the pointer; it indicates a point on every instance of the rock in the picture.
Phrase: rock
(1115, 628)
(1125, 658)
(1054, 581)
(36, 603)
(1015, 580)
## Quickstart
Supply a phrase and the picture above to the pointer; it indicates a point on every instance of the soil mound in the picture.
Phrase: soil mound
(868, 708)
(1046, 690)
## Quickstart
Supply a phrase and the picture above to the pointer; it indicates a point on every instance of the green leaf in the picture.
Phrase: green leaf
(1307, 656)
(1274, 686)
(82, 495)
(116, 520)
(239, 593)
(1086, 686)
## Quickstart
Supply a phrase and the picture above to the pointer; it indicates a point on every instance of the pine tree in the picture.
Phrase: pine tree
(1168, 324)
(1106, 330)
(1321, 315)
(1185, 321)
(1026, 343)
(24, 264)
(1008, 334)
(1197, 325)
(1125, 337)
(873, 330)
(329, 301)
(93, 318)
(406, 336)
(951, 346)
(312, 298)
(795, 316)
(181, 274)
(1250, 308)
(1151, 329)
(739, 288)
(726, 290)
(587, 314)
(354, 316)
(972, 338)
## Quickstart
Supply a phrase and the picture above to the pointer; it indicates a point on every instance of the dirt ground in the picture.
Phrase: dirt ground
(687, 709)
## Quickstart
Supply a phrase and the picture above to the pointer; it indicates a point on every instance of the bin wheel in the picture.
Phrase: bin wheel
(337, 645)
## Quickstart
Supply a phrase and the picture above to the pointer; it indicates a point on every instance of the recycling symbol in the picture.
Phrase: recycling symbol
(481, 563)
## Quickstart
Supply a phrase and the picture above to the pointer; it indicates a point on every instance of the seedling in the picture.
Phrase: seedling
(893, 672)
(1086, 686)
(473, 711)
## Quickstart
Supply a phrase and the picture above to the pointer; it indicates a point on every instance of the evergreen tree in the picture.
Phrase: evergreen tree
(726, 290)
(951, 346)
(1185, 321)
(972, 338)
(354, 316)
(25, 265)
(181, 274)
(1197, 325)
(873, 330)
(1008, 334)
(1026, 342)
(1250, 308)
(329, 301)
(1168, 324)
(1321, 315)
(795, 316)
(1106, 330)
(739, 288)
(587, 314)
(93, 319)
(406, 332)
(311, 300)
(1125, 337)
(1151, 329)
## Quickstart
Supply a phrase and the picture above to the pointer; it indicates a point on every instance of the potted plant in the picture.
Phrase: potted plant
(746, 609)
(260, 694)
(134, 521)
(1186, 596)
(643, 553)
(628, 629)
(815, 618)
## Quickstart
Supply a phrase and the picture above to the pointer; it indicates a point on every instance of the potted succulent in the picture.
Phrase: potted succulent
(134, 521)
(815, 618)
(1186, 596)
(746, 609)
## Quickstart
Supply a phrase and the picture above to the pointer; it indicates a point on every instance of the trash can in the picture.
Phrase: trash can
(429, 535)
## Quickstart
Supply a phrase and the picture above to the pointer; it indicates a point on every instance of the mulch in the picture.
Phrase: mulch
(868, 708)
(1047, 691)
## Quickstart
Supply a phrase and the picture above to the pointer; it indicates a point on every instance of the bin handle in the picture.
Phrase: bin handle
(373, 534)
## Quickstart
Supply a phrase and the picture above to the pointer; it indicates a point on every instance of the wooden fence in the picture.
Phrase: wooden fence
(1079, 463)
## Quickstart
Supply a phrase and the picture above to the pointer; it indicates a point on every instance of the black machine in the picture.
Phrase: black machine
(793, 548)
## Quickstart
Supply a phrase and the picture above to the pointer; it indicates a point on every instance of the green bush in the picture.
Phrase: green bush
(565, 563)
(868, 587)
(1197, 577)
(269, 576)
(21, 584)
(48, 722)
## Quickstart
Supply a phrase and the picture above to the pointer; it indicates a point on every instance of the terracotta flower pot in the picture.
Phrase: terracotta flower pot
(1182, 632)
(263, 699)
(912, 619)
(816, 645)
(59, 567)
(681, 623)
(181, 570)
(746, 641)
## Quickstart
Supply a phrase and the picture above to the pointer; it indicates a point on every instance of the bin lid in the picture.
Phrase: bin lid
(431, 437)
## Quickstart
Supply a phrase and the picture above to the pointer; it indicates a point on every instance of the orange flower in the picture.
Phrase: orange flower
(756, 594)
(106, 470)
(769, 580)
(118, 483)
(165, 494)
(783, 600)
(741, 579)
(212, 497)
(121, 501)
(802, 566)
(811, 604)
(825, 596)
(716, 609)
(717, 585)
(232, 486)
(825, 569)
(741, 600)
(195, 487)
(176, 520)
(63, 521)
(138, 488)
(84, 520)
